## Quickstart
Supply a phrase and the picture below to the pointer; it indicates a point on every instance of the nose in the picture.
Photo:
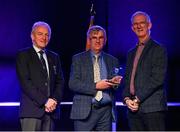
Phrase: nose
(138, 25)
(44, 36)
(98, 39)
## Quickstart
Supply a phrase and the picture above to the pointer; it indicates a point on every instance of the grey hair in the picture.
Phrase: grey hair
(96, 28)
(41, 23)
(141, 13)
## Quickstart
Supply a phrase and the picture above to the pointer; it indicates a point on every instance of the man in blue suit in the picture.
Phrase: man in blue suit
(144, 93)
(40, 75)
(93, 84)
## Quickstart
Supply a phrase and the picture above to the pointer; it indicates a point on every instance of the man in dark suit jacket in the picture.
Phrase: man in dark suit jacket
(144, 93)
(88, 112)
(40, 75)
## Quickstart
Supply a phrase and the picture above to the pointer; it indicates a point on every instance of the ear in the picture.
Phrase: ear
(105, 40)
(32, 36)
(149, 25)
(88, 43)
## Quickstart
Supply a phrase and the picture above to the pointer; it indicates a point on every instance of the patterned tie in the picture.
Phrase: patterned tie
(43, 61)
(97, 77)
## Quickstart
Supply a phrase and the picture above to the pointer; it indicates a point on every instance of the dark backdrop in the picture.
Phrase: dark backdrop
(69, 20)
(165, 17)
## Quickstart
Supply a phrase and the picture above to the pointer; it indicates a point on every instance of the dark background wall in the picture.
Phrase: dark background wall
(165, 17)
(69, 20)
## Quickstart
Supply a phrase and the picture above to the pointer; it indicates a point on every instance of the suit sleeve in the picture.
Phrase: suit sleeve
(158, 71)
(77, 83)
(59, 82)
(27, 87)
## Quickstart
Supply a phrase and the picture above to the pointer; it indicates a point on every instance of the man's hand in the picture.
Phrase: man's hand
(103, 84)
(116, 80)
(133, 105)
(50, 105)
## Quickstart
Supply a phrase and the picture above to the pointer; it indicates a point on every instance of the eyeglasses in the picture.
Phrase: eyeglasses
(142, 24)
(97, 38)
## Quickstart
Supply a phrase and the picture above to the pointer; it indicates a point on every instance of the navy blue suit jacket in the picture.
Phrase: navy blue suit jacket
(34, 83)
(149, 77)
(82, 82)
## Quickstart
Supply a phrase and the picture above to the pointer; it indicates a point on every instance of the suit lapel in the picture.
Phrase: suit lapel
(144, 52)
(50, 64)
(89, 64)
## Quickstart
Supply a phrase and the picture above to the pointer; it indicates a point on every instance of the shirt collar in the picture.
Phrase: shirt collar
(144, 42)
(93, 54)
(37, 49)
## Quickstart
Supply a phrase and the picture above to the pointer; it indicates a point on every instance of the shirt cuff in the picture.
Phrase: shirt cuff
(126, 98)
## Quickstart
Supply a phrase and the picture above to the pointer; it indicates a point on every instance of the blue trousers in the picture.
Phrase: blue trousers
(99, 119)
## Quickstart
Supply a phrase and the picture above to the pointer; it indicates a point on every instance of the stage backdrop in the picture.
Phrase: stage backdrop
(69, 20)
(165, 17)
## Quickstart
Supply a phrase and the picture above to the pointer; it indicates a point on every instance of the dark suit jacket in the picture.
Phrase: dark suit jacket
(34, 82)
(82, 82)
(149, 77)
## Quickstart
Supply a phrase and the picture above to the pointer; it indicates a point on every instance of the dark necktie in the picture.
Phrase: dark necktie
(43, 61)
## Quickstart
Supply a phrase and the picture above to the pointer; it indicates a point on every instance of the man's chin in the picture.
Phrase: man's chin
(42, 46)
(141, 35)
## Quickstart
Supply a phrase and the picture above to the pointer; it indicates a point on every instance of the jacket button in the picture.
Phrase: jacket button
(46, 84)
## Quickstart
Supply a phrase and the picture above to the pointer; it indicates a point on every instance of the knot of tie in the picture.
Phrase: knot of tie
(141, 44)
(96, 58)
(41, 52)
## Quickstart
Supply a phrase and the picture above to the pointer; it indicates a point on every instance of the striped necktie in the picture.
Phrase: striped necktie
(43, 61)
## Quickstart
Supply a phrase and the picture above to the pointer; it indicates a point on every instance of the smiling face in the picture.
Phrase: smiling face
(40, 36)
(97, 41)
(141, 26)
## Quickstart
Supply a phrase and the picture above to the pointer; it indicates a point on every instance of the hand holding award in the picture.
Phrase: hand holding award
(116, 80)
